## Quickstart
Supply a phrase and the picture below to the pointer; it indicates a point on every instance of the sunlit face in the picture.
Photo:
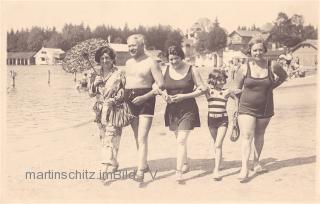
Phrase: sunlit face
(106, 61)
(135, 48)
(257, 51)
(174, 60)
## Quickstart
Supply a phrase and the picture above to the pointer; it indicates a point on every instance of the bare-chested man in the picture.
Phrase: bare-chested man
(141, 72)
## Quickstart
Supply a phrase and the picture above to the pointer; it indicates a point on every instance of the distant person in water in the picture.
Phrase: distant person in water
(83, 82)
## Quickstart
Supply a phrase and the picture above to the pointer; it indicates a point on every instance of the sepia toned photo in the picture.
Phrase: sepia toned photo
(159, 101)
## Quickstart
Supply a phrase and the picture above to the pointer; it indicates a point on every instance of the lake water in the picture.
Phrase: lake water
(35, 107)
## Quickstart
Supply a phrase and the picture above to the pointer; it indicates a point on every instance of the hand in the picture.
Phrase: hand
(110, 101)
(177, 98)
(156, 91)
(166, 97)
(139, 100)
(97, 81)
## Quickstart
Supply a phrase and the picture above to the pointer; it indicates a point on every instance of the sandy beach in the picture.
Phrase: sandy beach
(289, 154)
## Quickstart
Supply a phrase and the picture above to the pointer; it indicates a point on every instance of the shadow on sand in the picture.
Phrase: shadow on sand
(206, 166)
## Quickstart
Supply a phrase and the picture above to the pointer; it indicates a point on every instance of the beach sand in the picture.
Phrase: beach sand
(289, 154)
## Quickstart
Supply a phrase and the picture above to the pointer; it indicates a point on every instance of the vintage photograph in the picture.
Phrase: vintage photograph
(159, 101)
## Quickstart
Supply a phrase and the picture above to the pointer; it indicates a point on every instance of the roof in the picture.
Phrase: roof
(20, 54)
(250, 33)
(52, 49)
(246, 33)
(119, 47)
(313, 43)
(274, 53)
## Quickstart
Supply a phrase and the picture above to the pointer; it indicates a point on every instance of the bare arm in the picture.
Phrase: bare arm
(157, 75)
(281, 73)
(239, 78)
(197, 80)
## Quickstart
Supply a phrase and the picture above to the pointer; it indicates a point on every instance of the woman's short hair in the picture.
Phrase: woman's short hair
(105, 49)
(255, 40)
(175, 50)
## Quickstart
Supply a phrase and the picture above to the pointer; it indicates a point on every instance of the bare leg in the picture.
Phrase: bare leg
(134, 126)
(143, 131)
(261, 126)
(247, 126)
(182, 138)
(218, 149)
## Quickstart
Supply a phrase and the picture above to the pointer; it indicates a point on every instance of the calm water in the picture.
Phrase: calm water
(35, 107)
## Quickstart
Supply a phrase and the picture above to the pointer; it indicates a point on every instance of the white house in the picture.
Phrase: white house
(48, 56)
(122, 53)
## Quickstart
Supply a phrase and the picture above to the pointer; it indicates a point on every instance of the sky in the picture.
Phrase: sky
(178, 14)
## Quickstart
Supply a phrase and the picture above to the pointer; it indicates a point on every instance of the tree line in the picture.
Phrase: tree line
(283, 30)
(25, 40)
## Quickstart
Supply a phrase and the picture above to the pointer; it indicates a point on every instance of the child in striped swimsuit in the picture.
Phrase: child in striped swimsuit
(217, 97)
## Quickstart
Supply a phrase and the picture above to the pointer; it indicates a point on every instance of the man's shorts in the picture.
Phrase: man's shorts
(147, 108)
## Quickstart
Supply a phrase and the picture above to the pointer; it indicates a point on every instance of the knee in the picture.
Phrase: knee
(259, 134)
(142, 140)
(218, 145)
(181, 141)
(107, 141)
(247, 135)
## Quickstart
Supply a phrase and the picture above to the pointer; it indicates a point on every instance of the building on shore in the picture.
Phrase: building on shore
(49, 56)
(239, 39)
(307, 53)
(20, 58)
(122, 53)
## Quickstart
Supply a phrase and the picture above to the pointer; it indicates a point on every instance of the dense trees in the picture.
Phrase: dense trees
(214, 40)
(290, 31)
(157, 37)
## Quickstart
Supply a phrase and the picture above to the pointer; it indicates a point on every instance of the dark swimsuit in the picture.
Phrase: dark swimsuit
(183, 115)
(257, 97)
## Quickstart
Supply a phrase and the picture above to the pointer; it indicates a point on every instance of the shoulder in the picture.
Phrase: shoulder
(129, 61)
(193, 69)
(243, 69)
(151, 61)
(276, 65)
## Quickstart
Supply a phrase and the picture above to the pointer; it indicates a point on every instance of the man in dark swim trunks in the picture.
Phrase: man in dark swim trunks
(141, 73)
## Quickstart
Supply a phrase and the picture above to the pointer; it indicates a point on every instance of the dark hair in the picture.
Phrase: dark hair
(103, 50)
(217, 75)
(175, 50)
(256, 40)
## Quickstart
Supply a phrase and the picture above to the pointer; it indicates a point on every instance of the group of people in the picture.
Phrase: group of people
(178, 85)
(292, 66)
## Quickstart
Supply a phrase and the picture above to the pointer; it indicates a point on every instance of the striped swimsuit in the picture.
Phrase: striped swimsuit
(217, 113)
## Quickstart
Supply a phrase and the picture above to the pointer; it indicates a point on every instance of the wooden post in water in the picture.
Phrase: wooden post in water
(48, 76)
(75, 76)
(13, 79)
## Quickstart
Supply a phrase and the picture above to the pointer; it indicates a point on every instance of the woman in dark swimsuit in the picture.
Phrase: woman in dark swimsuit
(257, 82)
(182, 113)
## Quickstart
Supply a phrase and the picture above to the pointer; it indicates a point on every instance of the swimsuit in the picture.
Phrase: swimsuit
(183, 115)
(257, 97)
